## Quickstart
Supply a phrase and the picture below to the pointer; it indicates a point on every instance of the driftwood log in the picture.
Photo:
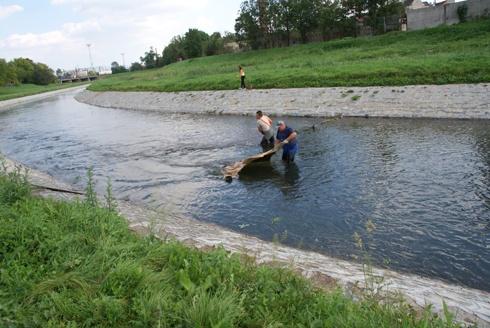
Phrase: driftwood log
(233, 170)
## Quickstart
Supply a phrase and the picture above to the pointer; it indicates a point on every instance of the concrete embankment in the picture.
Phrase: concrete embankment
(461, 101)
(469, 305)
(7, 104)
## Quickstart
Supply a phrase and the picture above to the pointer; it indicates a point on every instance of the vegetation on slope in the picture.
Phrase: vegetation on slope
(74, 264)
(23, 90)
(446, 54)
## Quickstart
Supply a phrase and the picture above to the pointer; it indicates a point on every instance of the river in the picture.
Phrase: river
(416, 191)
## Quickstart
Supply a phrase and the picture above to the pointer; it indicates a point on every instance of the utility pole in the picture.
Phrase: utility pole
(90, 56)
(123, 61)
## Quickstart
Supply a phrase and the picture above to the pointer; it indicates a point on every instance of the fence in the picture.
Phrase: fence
(446, 13)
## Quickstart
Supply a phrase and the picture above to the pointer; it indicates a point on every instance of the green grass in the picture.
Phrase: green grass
(23, 90)
(442, 55)
(70, 264)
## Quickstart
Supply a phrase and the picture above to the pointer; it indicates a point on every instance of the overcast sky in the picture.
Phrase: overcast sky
(56, 32)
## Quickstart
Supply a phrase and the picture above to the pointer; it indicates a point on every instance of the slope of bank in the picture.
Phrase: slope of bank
(24, 90)
(466, 101)
(7, 104)
(442, 55)
(469, 305)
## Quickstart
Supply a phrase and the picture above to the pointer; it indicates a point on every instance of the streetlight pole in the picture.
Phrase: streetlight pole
(124, 62)
(90, 56)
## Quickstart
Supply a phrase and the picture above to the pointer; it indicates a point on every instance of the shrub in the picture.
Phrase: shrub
(462, 13)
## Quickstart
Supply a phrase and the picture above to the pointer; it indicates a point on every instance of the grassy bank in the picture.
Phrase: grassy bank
(23, 90)
(446, 54)
(77, 265)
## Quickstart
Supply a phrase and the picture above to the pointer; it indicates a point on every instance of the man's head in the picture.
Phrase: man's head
(259, 114)
(281, 125)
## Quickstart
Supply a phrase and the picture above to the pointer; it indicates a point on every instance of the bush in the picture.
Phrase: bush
(462, 13)
(13, 185)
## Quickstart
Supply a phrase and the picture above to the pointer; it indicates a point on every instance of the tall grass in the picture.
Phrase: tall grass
(446, 54)
(72, 264)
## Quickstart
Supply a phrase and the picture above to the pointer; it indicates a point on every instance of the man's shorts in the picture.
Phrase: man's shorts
(288, 155)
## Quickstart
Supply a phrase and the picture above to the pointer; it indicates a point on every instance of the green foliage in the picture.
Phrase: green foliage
(272, 23)
(90, 194)
(43, 75)
(462, 12)
(22, 90)
(150, 59)
(446, 54)
(24, 70)
(110, 201)
(70, 264)
(174, 51)
(116, 68)
(136, 67)
(214, 45)
(8, 75)
(13, 184)
(193, 42)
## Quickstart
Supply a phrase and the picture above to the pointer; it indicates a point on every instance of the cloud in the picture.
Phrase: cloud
(67, 33)
(81, 27)
(31, 40)
(113, 27)
(6, 11)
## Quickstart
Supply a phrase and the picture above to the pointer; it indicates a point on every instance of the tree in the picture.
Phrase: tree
(330, 17)
(24, 68)
(247, 24)
(283, 17)
(305, 17)
(149, 59)
(43, 75)
(214, 44)
(4, 68)
(174, 51)
(116, 68)
(136, 67)
(194, 41)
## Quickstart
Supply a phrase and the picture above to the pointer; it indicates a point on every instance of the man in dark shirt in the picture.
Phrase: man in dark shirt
(288, 138)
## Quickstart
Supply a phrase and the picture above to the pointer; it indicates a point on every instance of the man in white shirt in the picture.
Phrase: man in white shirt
(264, 125)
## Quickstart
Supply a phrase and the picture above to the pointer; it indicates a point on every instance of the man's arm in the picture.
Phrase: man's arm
(290, 137)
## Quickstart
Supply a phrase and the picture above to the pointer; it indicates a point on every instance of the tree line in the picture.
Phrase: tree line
(275, 23)
(194, 43)
(24, 70)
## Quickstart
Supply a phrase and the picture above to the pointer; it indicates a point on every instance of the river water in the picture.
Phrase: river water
(416, 191)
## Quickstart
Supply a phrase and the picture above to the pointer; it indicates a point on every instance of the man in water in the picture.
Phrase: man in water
(287, 137)
(264, 125)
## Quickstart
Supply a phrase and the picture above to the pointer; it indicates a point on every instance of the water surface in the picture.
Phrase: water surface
(424, 184)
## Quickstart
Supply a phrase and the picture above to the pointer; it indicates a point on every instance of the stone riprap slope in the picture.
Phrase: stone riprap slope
(462, 101)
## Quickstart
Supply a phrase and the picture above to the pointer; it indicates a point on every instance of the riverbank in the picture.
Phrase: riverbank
(460, 101)
(469, 305)
(443, 55)
(24, 90)
(23, 99)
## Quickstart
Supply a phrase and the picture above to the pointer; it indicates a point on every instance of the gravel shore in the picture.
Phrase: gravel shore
(460, 101)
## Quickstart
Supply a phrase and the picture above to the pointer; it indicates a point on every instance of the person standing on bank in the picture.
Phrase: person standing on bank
(242, 77)
(264, 125)
(287, 137)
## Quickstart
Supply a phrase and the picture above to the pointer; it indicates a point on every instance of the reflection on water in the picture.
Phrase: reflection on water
(425, 184)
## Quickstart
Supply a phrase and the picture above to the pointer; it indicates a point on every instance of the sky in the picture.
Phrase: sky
(56, 32)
